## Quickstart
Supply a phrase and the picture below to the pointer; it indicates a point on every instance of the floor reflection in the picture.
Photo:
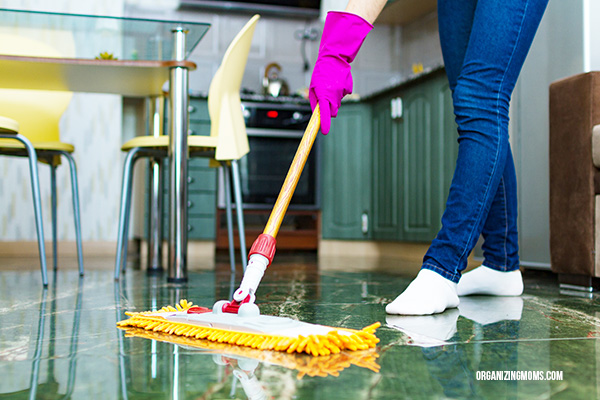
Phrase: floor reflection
(49, 341)
(495, 322)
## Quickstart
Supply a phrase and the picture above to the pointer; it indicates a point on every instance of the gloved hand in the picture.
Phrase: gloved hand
(343, 34)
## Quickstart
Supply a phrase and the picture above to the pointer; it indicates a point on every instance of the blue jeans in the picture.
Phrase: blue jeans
(484, 44)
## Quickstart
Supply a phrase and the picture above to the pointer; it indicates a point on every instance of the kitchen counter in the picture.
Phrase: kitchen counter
(409, 80)
(412, 79)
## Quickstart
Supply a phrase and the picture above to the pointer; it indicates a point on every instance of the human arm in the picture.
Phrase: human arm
(343, 35)
(367, 9)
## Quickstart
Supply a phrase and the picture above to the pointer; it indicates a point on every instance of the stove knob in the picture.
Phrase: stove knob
(297, 116)
(246, 113)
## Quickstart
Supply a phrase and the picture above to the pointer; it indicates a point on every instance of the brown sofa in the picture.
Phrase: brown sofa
(575, 179)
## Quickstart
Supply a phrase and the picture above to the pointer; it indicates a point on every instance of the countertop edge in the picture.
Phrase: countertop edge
(405, 82)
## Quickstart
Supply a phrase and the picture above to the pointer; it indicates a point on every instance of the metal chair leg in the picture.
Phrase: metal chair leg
(239, 210)
(54, 215)
(155, 111)
(155, 226)
(127, 221)
(37, 200)
(76, 210)
(124, 212)
(227, 186)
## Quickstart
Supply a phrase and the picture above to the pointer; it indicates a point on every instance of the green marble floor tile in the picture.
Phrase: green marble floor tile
(62, 342)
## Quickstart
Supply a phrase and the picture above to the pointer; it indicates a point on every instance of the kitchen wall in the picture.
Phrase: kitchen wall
(97, 124)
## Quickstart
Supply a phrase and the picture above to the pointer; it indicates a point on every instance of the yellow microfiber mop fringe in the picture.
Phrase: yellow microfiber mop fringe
(335, 341)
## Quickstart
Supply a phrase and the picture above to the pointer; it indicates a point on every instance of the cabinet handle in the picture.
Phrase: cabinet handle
(190, 228)
(190, 180)
(396, 108)
(364, 223)
(191, 109)
(190, 204)
(191, 132)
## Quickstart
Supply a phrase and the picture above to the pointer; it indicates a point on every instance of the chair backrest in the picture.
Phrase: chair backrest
(224, 104)
(37, 111)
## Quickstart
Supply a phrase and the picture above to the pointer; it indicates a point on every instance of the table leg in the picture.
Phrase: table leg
(178, 155)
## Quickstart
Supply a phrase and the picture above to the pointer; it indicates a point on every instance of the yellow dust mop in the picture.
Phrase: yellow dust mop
(331, 365)
(262, 332)
(239, 322)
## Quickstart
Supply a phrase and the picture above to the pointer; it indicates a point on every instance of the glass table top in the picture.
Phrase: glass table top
(91, 36)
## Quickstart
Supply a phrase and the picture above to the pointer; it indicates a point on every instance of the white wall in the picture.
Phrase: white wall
(591, 29)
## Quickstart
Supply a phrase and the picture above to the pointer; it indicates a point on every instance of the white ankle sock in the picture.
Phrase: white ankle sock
(428, 293)
(484, 280)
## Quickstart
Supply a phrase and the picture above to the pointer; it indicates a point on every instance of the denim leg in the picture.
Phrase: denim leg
(501, 240)
(455, 22)
(498, 41)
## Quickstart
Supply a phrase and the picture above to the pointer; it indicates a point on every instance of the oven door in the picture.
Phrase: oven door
(264, 168)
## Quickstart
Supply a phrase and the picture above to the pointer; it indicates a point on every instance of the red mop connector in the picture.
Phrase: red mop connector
(265, 246)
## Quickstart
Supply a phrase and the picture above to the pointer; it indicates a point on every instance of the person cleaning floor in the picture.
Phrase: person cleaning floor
(484, 45)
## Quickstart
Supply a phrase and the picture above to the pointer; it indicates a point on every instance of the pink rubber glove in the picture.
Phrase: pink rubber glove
(343, 34)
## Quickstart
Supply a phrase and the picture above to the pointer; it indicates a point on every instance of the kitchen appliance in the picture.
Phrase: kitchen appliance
(274, 132)
(273, 84)
(275, 127)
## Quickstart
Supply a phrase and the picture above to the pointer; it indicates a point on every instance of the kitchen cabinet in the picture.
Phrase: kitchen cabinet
(388, 163)
(346, 174)
(202, 179)
(414, 150)
(386, 212)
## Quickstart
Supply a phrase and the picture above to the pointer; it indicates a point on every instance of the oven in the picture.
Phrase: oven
(274, 133)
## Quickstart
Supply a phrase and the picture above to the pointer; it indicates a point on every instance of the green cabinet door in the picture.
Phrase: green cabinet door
(445, 143)
(414, 150)
(417, 163)
(346, 174)
(386, 179)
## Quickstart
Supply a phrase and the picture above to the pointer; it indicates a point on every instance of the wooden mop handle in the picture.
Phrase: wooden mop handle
(293, 175)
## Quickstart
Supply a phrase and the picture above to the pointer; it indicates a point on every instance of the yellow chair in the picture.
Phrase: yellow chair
(226, 144)
(38, 114)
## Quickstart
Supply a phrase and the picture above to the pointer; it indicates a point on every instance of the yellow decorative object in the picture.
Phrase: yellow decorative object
(106, 56)
(260, 332)
(417, 68)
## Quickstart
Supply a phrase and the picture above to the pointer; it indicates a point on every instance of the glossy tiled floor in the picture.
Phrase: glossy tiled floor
(62, 342)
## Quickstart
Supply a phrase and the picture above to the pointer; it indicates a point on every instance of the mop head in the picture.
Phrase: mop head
(262, 332)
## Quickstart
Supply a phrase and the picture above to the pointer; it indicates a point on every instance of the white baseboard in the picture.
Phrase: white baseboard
(201, 254)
